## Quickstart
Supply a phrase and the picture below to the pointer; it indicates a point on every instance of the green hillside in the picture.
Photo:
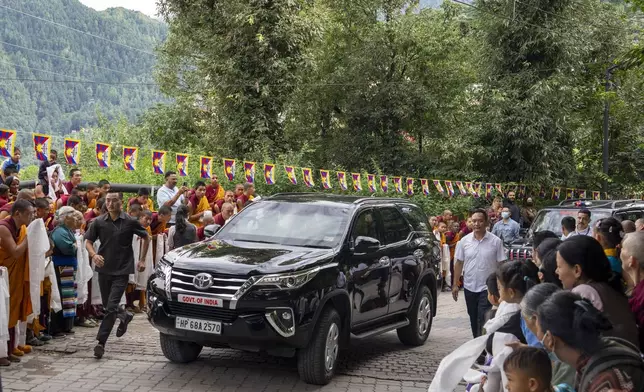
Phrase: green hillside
(54, 59)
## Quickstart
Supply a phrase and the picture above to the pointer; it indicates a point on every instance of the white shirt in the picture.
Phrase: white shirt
(588, 231)
(480, 259)
(165, 194)
(571, 234)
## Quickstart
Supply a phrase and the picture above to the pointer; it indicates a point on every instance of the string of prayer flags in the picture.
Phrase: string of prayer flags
(439, 187)
(182, 164)
(72, 151)
(290, 173)
(158, 161)
(269, 173)
(7, 142)
(130, 155)
(449, 187)
(229, 169)
(461, 188)
(342, 180)
(42, 146)
(307, 177)
(326, 179)
(410, 187)
(103, 152)
(357, 182)
(371, 183)
(249, 171)
(384, 183)
(206, 167)
(424, 183)
(398, 184)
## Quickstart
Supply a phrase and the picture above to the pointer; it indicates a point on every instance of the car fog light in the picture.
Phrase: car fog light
(282, 321)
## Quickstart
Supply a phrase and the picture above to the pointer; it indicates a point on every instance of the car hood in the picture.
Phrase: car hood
(247, 258)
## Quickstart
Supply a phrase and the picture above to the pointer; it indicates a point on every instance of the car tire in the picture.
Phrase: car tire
(318, 362)
(420, 319)
(179, 351)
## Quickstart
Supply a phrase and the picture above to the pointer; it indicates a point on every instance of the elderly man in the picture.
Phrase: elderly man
(171, 196)
(639, 224)
(632, 257)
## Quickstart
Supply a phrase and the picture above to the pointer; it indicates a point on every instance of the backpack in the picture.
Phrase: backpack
(615, 352)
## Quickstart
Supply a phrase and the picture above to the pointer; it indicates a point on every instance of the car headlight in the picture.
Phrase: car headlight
(289, 281)
(163, 271)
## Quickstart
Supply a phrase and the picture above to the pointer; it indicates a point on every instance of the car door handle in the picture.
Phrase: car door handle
(384, 261)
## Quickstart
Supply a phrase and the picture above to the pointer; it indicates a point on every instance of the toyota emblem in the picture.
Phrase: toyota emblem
(202, 281)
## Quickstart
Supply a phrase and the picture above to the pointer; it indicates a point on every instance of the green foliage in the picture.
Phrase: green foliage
(58, 108)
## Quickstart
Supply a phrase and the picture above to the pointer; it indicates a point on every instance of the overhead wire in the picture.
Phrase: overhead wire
(45, 71)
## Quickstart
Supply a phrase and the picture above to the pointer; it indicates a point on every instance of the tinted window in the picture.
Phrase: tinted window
(551, 219)
(629, 215)
(365, 226)
(416, 217)
(395, 227)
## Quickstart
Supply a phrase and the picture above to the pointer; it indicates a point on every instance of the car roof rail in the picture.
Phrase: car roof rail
(591, 203)
(624, 203)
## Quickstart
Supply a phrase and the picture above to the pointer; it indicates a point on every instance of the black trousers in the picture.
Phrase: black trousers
(112, 290)
(477, 306)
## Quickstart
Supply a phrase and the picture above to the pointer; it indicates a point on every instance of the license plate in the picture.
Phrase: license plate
(189, 324)
(205, 301)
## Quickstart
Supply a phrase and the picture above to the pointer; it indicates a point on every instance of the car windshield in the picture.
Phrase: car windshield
(311, 224)
(551, 219)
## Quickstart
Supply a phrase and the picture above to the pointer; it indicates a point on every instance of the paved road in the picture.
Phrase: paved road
(135, 363)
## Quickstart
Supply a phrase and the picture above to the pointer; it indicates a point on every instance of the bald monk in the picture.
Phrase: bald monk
(25, 194)
(13, 255)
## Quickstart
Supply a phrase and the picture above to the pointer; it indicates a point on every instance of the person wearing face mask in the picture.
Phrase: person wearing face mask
(570, 329)
(632, 258)
(528, 213)
(507, 229)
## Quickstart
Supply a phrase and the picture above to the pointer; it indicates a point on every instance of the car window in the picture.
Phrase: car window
(629, 215)
(416, 217)
(551, 219)
(395, 227)
(365, 226)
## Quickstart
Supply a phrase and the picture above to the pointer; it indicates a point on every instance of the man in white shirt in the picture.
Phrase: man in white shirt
(171, 196)
(583, 223)
(477, 256)
(568, 225)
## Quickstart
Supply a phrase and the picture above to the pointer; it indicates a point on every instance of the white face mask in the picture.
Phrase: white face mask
(505, 215)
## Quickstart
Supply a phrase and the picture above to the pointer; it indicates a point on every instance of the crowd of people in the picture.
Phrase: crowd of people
(76, 258)
(570, 319)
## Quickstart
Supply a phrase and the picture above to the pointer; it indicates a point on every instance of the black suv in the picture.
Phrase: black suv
(550, 219)
(300, 274)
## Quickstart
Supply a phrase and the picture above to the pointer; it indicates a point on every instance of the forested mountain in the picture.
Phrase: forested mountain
(54, 79)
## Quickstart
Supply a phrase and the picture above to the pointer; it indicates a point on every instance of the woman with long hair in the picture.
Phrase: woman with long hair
(183, 232)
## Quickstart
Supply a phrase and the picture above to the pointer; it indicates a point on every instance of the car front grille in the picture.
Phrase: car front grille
(224, 286)
(520, 254)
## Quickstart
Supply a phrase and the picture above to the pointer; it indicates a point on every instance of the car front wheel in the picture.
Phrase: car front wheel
(179, 351)
(317, 362)
(420, 319)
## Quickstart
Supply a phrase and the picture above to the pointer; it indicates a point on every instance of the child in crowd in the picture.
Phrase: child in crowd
(493, 296)
(528, 370)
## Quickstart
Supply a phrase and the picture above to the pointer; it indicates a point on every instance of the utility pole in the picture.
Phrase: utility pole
(607, 87)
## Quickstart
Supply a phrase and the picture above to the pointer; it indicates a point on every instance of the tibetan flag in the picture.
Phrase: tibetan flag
(581, 193)
(72, 151)
(410, 187)
(439, 187)
(357, 182)
(342, 180)
(398, 184)
(542, 192)
(424, 183)
(556, 193)
(522, 191)
(384, 183)
(570, 193)
(307, 177)
(205, 166)
(371, 183)
(461, 188)
(477, 189)
(326, 179)
(182, 164)
(499, 188)
(229, 169)
(488, 190)
(42, 146)
(597, 195)
(130, 155)
(103, 151)
(269, 173)
(450, 188)
(290, 173)
(470, 188)
(249, 171)
(158, 161)
(7, 142)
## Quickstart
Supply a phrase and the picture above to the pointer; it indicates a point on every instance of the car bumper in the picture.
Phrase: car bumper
(246, 330)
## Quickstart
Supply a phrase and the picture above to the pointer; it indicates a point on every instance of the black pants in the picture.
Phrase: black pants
(112, 289)
(477, 306)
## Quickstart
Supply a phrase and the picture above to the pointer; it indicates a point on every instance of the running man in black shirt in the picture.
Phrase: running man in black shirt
(114, 263)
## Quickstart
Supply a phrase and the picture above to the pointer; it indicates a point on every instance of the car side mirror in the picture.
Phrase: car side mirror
(366, 245)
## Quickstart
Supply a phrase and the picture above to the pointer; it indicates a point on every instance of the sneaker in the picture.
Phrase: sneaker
(45, 338)
(87, 323)
(35, 342)
(13, 358)
(122, 329)
(99, 350)
(59, 335)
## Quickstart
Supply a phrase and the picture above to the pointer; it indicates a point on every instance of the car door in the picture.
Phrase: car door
(396, 233)
(369, 271)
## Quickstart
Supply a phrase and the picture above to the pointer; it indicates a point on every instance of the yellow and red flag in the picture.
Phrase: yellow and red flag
(570, 193)
(450, 188)
(182, 164)
(410, 187)
(307, 176)
(342, 180)
(269, 173)
(158, 161)
(130, 156)
(72, 151)
(371, 183)
(424, 183)
(249, 171)
(439, 187)
(103, 152)
(290, 173)
(597, 195)
(556, 193)
(7, 142)
(488, 190)
(357, 182)
(326, 179)
(42, 146)
(384, 183)
(398, 184)
(229, 169)
(581, 193)
(461, 188)
(205, 166)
